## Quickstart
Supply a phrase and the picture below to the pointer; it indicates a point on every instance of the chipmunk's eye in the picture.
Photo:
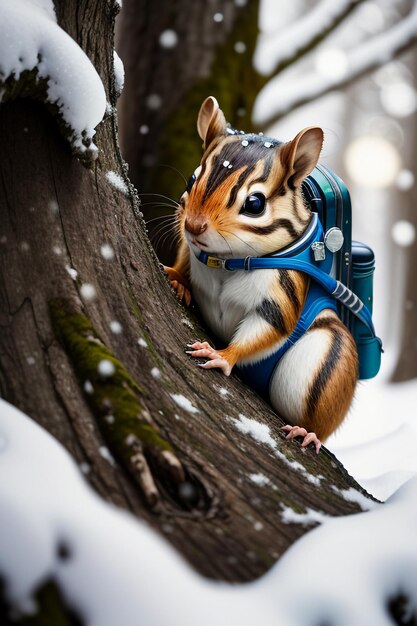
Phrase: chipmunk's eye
(254, 205)
(190, 183)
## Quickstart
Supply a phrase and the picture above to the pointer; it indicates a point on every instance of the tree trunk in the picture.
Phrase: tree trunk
(406, 367)
(406, 260)
(165, 86)
(166, 422)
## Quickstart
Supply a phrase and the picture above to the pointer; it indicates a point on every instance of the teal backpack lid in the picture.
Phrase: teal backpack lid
(354, 263)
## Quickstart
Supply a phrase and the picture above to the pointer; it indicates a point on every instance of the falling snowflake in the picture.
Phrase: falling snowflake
(155, 372)
(153, 101)
(116, 327)
(240, 47)
(405, 180)
(106, 368)
(168, 38)
(88, 291)
(107, 251)
(403, 233)
(72, 272)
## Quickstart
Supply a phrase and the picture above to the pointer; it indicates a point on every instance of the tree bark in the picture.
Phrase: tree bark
(211, 57)
(406, 366)
(55, 215)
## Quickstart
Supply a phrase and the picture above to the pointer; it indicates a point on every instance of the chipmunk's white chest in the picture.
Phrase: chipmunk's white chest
(225, 298)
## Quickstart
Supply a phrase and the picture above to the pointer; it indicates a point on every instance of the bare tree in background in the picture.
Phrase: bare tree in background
(406, 367)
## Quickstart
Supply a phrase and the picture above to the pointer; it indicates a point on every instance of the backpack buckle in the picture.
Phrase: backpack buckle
(319, 251)
(216, 263)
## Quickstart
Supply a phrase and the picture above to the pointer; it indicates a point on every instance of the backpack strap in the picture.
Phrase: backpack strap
(259, 375)
(330, 285)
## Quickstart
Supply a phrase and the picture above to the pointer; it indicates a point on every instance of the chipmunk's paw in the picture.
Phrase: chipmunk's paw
(215, 359)
(178, 284)
(298, 431)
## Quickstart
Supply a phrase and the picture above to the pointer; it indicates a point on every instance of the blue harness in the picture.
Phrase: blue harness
(323, 293)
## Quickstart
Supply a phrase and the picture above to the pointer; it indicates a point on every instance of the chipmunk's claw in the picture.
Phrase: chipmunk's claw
(215, 359)
(308, 438)
(176, 281)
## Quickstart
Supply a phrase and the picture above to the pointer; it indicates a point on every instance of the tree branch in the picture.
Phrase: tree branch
(367, 57)
(286, 48)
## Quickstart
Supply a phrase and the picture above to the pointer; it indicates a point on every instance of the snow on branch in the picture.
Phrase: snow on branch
(278, 51)
(111, 568)
(368, 56)
(34, 49)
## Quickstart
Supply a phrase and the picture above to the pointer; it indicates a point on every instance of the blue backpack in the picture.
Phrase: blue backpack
(341, 271)
(353, 263)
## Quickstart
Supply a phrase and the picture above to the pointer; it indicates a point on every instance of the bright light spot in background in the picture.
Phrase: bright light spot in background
(218, 17)
(403, 233)
(331, 62)
(387, 127)
(168, 38)
(370, 18)
(392, 73)
(399, 99)
(372, 162)
(405, 180)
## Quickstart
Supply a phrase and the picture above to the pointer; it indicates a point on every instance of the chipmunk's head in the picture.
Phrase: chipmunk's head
(245, 197)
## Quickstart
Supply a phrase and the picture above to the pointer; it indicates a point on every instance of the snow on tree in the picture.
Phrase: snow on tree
(39, 59)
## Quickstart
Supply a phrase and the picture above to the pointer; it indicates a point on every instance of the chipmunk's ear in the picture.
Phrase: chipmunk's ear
(211, 121)
(299, 157)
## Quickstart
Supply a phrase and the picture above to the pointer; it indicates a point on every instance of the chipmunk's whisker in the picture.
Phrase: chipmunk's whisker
(171, 167)
(227, 243)
(161, 195)
(171, 218)
(242, 240)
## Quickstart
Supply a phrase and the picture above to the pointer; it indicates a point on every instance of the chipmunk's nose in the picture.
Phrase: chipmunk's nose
(196, 225)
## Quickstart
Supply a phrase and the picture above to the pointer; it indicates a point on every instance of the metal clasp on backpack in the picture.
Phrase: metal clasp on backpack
(318, 250)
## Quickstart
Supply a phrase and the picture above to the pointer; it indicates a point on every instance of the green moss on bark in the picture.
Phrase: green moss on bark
(113, 397)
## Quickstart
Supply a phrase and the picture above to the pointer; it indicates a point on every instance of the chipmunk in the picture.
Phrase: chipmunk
(245, 199)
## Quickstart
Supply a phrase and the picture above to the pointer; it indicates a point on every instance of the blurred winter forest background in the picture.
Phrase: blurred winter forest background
(347, 66)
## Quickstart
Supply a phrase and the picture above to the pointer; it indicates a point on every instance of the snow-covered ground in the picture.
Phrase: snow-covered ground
(377, 441)
(113, 569)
